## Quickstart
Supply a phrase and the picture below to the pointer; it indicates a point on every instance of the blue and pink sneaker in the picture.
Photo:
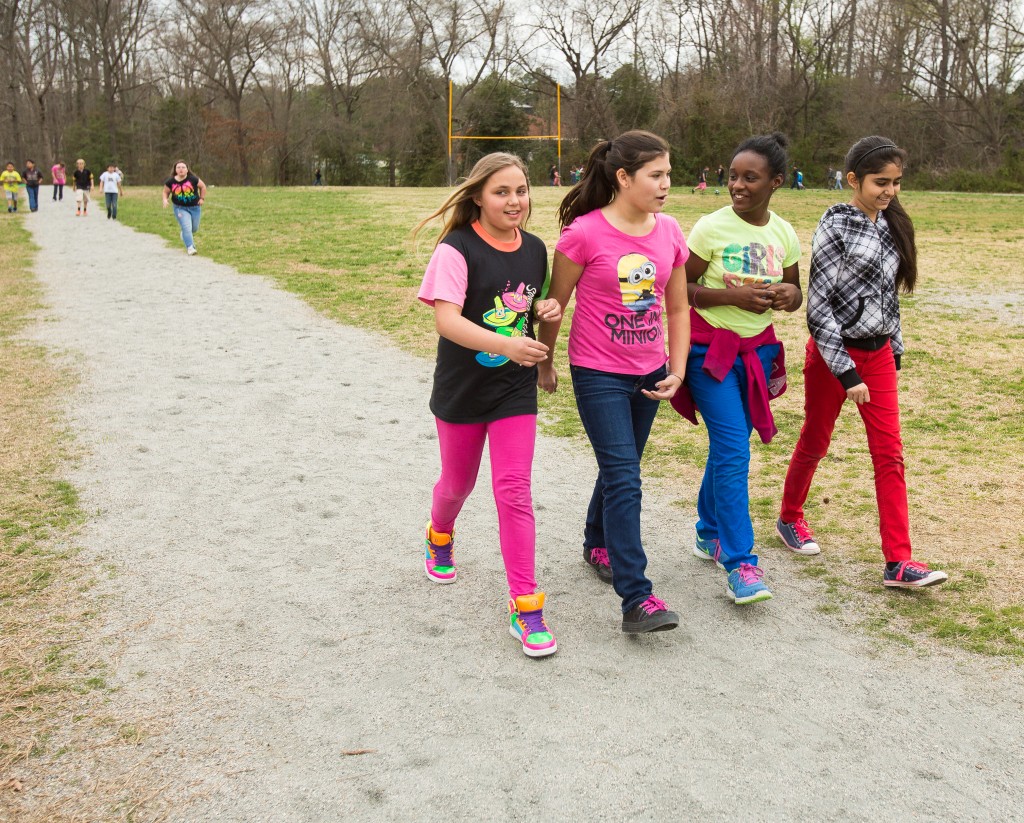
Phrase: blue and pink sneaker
(746, 585)
(797, 536)
(439, 556)
(526, 623)
(708, 550)
(909, 574)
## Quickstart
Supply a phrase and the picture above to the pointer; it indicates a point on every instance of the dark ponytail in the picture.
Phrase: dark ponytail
(870, 155)
(597, 187)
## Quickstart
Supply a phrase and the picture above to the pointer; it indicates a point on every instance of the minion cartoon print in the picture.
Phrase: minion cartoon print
(509, 317)
(636, 281)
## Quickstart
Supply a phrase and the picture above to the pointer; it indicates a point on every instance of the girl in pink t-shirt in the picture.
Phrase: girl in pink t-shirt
(485, 281)
(624, 259)
(59, 173)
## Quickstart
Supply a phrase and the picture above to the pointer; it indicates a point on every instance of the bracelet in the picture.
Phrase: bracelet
(676, 376)
(699, 290)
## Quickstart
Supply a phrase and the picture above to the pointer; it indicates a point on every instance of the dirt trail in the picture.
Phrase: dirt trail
(260, 479)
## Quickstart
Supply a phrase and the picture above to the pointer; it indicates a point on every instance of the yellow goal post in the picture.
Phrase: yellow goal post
(556, 137)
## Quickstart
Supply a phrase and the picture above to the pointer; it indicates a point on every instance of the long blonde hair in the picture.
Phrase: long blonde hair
(458, 209)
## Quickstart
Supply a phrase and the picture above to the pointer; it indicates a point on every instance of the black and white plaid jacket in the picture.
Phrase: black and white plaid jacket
(852, 288)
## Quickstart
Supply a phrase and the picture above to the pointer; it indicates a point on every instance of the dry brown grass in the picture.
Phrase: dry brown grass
(62, 756)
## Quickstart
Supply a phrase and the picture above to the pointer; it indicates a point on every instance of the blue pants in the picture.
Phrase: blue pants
(723, 504)
(33, 197)
(618, 420)
(111, 198)
(188, 219)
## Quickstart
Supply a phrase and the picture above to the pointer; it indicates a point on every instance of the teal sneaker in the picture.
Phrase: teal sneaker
(708, 550)
(746, 585)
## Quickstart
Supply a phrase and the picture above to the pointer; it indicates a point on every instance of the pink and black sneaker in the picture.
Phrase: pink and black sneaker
(439, 556)
(909, 574)
(597, 559)
(652, 615)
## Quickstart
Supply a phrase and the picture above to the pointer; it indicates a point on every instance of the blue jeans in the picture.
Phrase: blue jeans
(618, 420)
(111, 198)
(33, 197)
(723, 503)
(188, 219)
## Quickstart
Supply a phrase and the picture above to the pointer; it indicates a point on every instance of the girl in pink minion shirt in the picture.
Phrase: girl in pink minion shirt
(624, 259)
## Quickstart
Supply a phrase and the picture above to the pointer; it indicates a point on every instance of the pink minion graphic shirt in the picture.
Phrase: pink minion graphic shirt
(617, 323)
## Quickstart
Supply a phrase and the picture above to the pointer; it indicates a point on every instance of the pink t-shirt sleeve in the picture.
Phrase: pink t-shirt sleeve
(682, 251)
(446, 277)
(573, 243)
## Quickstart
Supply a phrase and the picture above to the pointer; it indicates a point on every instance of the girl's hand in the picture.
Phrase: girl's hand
(756, 298)
(524, 350)
(664, 389)
(547, 311)
(786, 297)
(859, 394)
(547, 377)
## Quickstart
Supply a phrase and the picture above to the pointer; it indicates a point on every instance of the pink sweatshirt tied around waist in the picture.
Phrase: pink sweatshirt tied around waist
(724, 346)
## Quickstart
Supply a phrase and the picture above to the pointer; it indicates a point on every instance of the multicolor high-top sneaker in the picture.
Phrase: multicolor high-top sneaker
(439, 556)
(526, 619)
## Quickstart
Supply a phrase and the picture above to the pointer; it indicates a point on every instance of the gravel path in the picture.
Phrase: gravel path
(260, 478)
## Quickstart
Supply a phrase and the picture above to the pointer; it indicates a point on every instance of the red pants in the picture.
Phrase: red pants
(824, 396)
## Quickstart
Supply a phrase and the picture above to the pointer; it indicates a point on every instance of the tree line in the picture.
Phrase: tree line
(265, 91)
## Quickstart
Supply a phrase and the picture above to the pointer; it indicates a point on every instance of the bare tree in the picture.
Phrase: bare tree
(230, 39)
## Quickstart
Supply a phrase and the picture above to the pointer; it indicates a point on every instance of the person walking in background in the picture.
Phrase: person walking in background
(82, 181)
(33, 177)
(484, 282)
(110, 180)
(59, 174)
(721, 175)
(11, 180)
(862, 255)
(318, 178)
(624, 259)
(744, 264)
(187, 193)
(838, 180)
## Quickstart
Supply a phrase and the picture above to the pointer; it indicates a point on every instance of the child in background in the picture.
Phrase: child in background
(33, 178)
(624, 259)
(484, 282)
(10, 179)
(110, 180)
(59, 172)
(743, 265)
(863, 254)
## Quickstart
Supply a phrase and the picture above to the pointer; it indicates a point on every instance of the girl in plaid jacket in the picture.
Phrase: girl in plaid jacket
(863, 253)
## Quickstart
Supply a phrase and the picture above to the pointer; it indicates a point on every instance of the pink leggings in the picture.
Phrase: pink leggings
(511, 447)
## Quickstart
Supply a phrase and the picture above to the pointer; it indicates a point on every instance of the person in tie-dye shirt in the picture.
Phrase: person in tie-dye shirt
(188, 193)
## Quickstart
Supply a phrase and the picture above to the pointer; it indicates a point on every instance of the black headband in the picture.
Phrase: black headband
(871, 151)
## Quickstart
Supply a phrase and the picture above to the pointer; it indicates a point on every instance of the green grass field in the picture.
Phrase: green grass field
(348, 253)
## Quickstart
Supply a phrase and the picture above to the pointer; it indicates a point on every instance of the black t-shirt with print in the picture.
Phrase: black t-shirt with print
(184, 192)
(32, 178)
(83, 179)
(478, 387)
